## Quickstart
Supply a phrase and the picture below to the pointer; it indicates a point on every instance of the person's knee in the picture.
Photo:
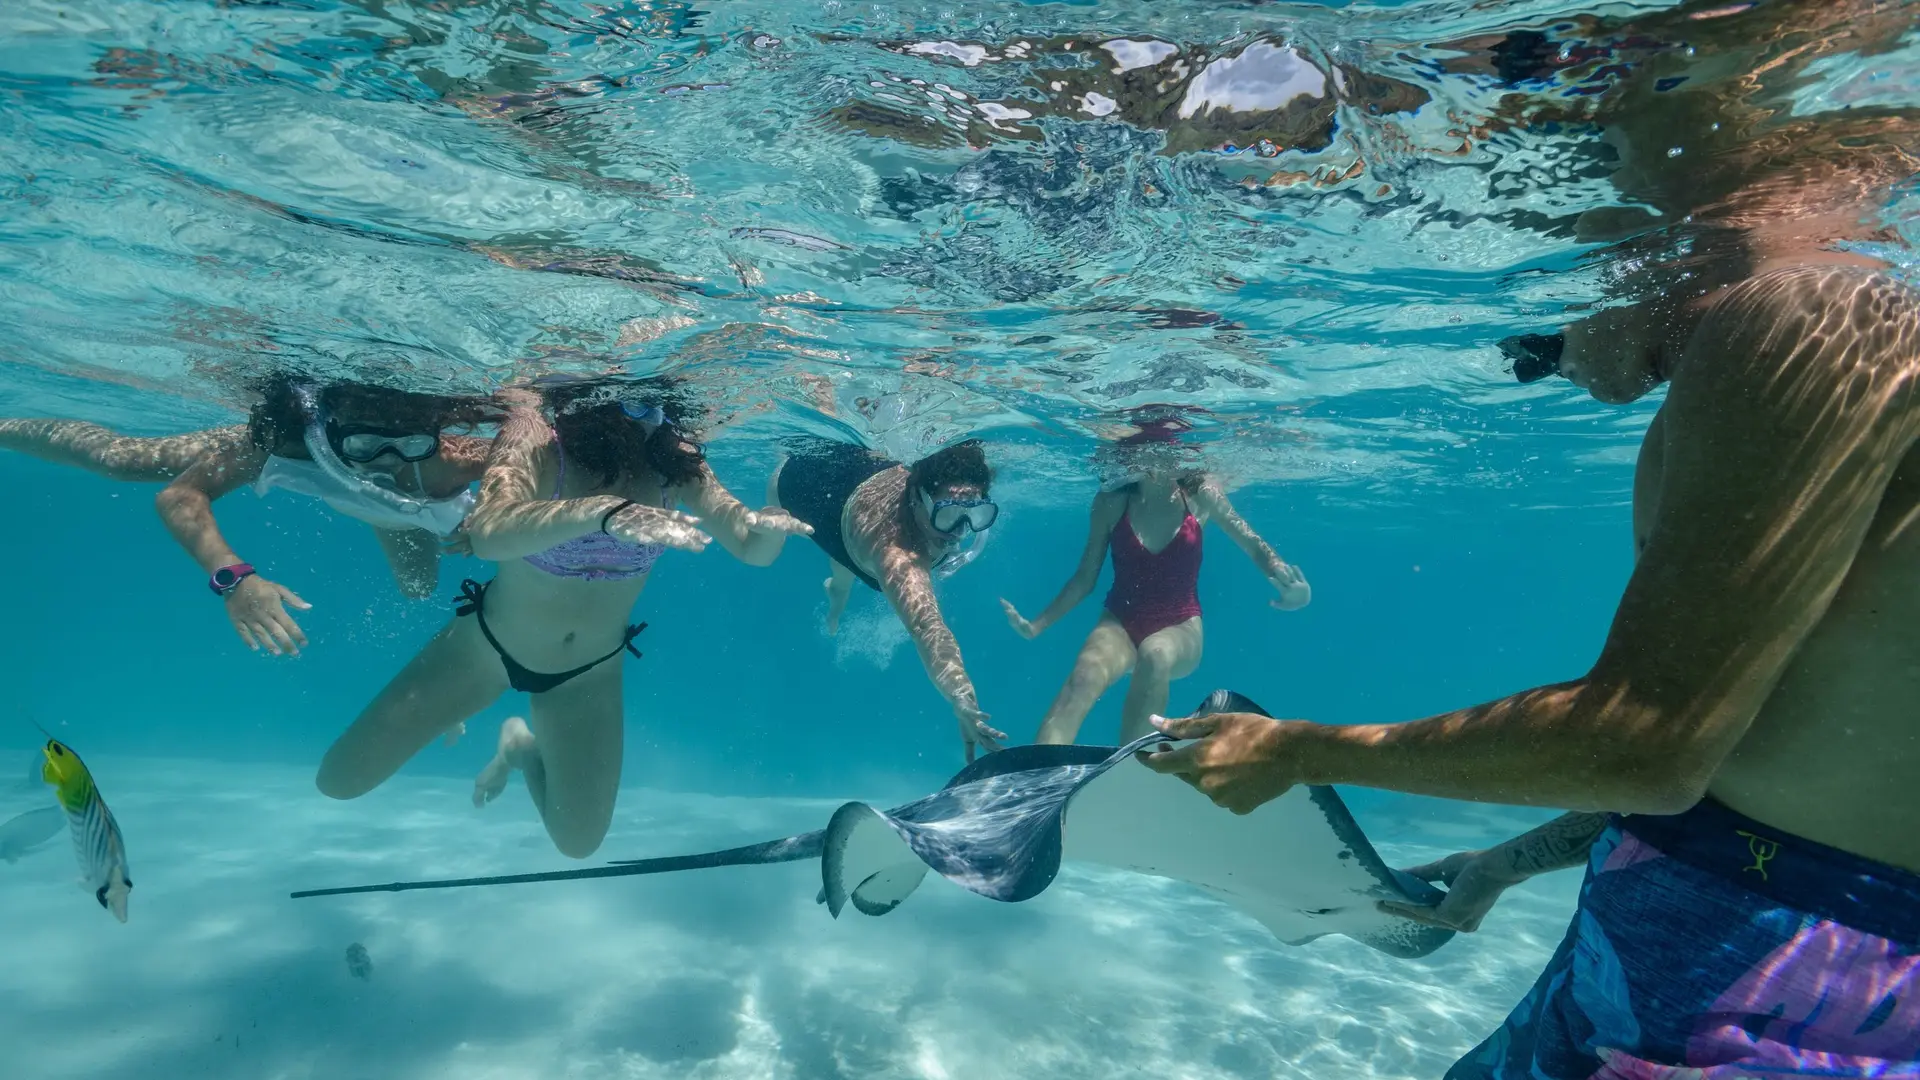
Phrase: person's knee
(1157, 660)
(338, 782)
(579, 839)
(1088, 681)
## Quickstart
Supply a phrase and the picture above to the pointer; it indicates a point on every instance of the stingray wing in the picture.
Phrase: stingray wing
(1300, 865)
(994, 829)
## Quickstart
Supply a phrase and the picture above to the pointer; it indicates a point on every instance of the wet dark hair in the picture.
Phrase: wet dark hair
(278, 424)
(601, 438)
(960, 464)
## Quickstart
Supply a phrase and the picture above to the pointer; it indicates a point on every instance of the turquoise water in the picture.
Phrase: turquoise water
(897, 223)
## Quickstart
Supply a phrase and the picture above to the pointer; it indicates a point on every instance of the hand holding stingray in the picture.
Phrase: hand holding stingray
(1300, 865)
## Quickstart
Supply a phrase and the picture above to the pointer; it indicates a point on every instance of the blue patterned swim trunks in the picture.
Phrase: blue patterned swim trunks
(1710, 947)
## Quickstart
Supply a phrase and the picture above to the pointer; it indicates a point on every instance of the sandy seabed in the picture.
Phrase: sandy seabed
(725, 973)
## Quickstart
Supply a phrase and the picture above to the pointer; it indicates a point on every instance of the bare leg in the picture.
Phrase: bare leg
(839, 587)
(453, 677)
(1106, 655)
(80, 445)
(414, 556)
(572, 764)
(1166, 655)
(515, 750)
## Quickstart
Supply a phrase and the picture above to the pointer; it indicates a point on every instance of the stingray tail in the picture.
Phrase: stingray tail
(791, 849)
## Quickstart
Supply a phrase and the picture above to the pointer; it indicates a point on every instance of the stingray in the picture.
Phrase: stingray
(1300, 865)
(24, 834)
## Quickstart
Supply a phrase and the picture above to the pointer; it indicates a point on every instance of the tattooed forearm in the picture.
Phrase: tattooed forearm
(1558, 844)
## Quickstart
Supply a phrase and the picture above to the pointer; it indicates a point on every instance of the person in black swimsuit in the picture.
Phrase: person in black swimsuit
(891, 526)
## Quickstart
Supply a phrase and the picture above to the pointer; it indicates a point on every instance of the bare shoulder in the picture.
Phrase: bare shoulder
(875, 514)
(1814, 322)
(1820, 358)
(1109, 505)
(1209, 499)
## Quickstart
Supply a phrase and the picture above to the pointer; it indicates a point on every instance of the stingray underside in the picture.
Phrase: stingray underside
(1300, 865)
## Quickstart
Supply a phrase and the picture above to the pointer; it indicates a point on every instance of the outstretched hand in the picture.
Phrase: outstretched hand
(775, 521)
(258, 610)
(1020, 625)
(976, 732)
(653, 525)
(1240, 760)
(1295, 593)
(1474, 883)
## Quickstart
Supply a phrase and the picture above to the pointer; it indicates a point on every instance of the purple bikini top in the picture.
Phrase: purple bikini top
(594, 556)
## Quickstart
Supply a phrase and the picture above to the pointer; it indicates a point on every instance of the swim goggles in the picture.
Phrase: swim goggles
(948, 515)
(361, 443)
(652, 418)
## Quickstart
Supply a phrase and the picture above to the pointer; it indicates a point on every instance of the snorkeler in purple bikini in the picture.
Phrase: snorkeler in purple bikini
(576, 512)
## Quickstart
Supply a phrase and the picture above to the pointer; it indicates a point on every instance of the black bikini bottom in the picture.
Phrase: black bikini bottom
(519, 676)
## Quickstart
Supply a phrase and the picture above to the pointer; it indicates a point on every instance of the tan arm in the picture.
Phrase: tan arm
(1791, 410)
(186, 504)
(909, 588)
(755, 537)
(1214, 506)
(513, 519)
(1101, 520)
(81, 445)
(414, 557)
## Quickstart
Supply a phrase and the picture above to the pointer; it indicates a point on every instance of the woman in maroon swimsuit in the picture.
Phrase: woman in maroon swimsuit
(1151, 625)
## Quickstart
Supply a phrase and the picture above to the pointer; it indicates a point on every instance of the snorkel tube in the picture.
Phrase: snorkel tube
(951, 565)
(336, 470)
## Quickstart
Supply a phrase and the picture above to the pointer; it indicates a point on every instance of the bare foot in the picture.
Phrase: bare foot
(516, 748)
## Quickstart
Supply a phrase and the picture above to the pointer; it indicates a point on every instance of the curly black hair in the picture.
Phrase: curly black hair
(962, 463)
(600, 436)
(277, 424)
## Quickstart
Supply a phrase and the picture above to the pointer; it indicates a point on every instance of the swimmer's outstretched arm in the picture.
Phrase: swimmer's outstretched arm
(414, 557)
(257, 607)
(105, 452)
(1791, 408)
(1105, 516)
(909, 588)
(512, 520)
(1295, 593)
(755, 537)
(1475, 879)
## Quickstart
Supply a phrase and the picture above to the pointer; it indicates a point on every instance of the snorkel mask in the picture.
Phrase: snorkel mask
(320, 448)
(649, 417)
(953, 519)
(363, 443)
(950, 515)
(1533, 356)
(959, 558)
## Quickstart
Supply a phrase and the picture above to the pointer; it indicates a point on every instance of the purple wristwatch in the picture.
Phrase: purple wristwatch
(228, 578)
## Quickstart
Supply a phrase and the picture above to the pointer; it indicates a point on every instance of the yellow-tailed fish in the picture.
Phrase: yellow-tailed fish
(96, 836)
